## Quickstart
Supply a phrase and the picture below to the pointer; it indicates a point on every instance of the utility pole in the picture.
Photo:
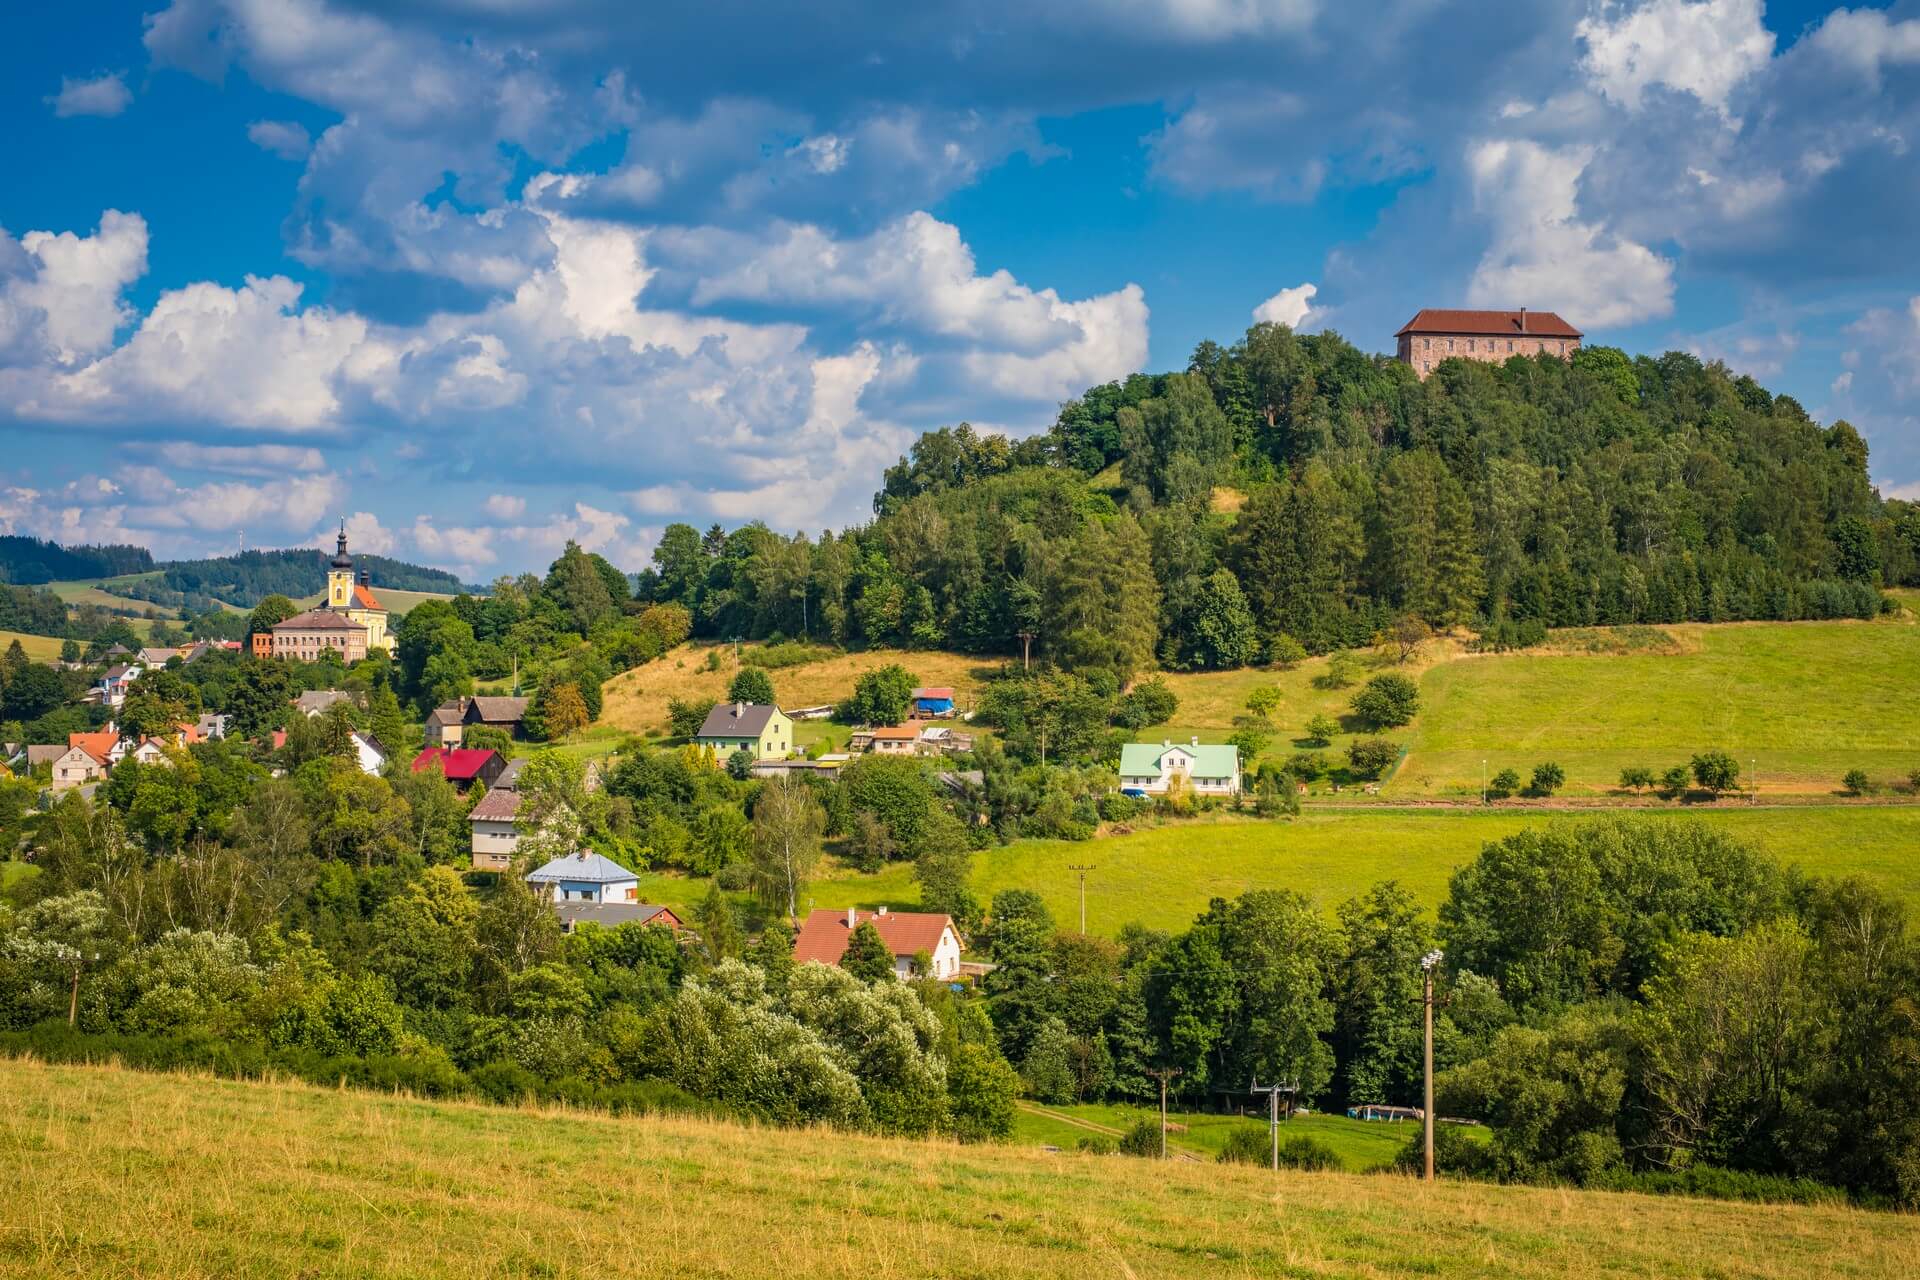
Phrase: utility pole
(1273, 1092)
(73, 1000)
(1483, 782)
(1163, 1075)
(1026, 649)
(1082, 868)
(1753, 781)
(1428, 963)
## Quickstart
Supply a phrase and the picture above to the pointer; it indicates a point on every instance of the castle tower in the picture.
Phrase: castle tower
(340, 574)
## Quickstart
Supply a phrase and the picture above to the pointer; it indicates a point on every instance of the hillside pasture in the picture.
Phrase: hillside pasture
(1163, 876)
(1803, 701)
(636, 700)
(251, 1180)
(38, 648)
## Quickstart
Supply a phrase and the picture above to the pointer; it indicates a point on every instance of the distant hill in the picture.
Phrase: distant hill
(250, 577)
(31, 561)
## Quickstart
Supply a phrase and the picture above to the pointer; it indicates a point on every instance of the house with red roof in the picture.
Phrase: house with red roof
(1434, 335)
(463, 766)
(823, 939)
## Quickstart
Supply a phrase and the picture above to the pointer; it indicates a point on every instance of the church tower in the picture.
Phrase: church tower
(340, 575)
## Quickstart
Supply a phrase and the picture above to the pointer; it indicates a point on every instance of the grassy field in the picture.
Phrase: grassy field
(112, 1173)
(39, 648)
(1807, 701)
(1361, 1145)
(636, 700)
(1163, 876)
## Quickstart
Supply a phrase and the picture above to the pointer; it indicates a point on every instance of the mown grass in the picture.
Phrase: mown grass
(112, 1173)
(1805, 702)
(1362, 1146)
(1163, 876)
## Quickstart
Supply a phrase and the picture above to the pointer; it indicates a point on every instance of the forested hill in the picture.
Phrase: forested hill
(249, 577)
(1295, 486)
(30, 561)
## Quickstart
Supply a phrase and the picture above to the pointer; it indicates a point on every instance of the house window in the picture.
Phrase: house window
(1469, 344)
(1509, 344)
(1449, 344)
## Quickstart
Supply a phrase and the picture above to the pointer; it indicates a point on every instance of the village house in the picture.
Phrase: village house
(1490, 336)
(508, 715)
(151, 657)
(762, 730)
(111, 691)
(611, 915)
(87, 758)
(446, 722)
(1204, 770)
(894, 740)
(369, 754)
(315, 702)
(496, 837)
(585, 877)
(823, 939)
(462, 766)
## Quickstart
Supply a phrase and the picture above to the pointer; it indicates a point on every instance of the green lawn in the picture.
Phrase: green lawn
(1804, 702)
(1164, 876)
(1361, 1145)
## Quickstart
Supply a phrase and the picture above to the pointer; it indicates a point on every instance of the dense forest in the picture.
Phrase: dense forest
(1294, 486)
(251, 576)
(31, 561)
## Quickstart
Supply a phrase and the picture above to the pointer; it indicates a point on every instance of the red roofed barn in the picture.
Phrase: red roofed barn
(823, 938)
(463, 766)
(1492, 336)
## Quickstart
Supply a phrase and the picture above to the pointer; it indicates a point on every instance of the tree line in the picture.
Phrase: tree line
(1292, 490)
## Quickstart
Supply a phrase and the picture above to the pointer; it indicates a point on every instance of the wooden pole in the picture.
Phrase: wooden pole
(1427, 1114)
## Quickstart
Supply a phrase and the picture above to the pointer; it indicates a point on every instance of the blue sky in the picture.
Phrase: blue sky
(485, 275)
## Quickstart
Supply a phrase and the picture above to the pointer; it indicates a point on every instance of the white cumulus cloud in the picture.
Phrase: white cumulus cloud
(102, 95)
(1288, 307)
(1702, 47)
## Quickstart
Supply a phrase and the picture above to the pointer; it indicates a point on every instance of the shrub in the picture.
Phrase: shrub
(1147, 704)
(1245, 1145)
(774, 657)
(1716, 771)
(1715, 1183)
(1388, 701)
(1636, 777)
(1143, 1139)
(1095, 1144)
(1308, 765)
(504, 1081)
(1503, 784)
(1285, 652)
(1674, 781)
(1115, 807)
(685, 718)
(1856, 782)
(1453, 1152)
(1320, 730)
(1371, 757)
(1548, 778)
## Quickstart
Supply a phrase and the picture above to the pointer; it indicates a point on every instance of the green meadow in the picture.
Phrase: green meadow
(1163, 875)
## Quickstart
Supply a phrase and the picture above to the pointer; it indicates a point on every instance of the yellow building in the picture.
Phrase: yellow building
(353, 597)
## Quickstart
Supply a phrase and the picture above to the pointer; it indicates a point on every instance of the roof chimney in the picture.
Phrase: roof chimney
(1523, 319)
(853, 918)
(1196, 739)
(739, 709)
(881, 910)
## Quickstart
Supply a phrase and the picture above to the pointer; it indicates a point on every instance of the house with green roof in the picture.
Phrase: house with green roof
(1207, 770)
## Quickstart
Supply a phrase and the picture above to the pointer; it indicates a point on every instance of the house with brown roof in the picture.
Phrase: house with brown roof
(823, 939)
(1492, 336)
(505, 714)
(446, 722)
(894, 740)
(496, 833)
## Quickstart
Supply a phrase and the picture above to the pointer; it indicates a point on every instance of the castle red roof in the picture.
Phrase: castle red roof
(1503, 324)
(824, 936)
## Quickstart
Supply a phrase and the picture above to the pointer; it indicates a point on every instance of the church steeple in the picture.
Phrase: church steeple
(340, 573)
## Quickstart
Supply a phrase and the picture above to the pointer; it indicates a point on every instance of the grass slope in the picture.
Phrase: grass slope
(1163, 876)
(636, 700)
(1807, 700)
(110, 1173)
(39, 648)
(1362, 1146)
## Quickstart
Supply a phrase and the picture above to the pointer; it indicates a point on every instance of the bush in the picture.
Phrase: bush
(505, 1082)
(1856, 782)
(1716, 771)
(1143, 1139)
(1548, 778)
(1453, 1152)
(1636, 777)
(1714, 1183)
(1285, 652)
(1245, 1145)
(1388, 701)
(1098, 1145)
(1320, 730)
(1147, 704)
(1674, 781)
(793, 653)
(1115, 807)
(1371, 757)
(1503, 784)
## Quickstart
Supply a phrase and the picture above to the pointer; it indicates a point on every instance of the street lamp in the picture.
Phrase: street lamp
(1428, 963)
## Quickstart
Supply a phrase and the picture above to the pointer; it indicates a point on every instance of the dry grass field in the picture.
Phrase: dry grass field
(108, 1173)
(636, 700)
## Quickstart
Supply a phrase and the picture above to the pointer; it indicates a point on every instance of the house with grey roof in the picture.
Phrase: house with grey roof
(315, 702)
(586, 877)
(611, 915)
(763, 730)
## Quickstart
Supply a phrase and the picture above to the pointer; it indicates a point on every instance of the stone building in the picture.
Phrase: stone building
(1492, 336)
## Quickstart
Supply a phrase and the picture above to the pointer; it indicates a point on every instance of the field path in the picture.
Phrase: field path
(1104, 1130)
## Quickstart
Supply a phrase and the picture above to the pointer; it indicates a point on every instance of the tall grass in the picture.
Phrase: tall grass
(106, 1172)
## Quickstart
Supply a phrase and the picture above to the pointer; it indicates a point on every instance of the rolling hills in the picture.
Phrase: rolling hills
(116, 1173)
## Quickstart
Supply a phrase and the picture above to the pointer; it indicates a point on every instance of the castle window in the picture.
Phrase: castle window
(1449, 344)
(1469, 344)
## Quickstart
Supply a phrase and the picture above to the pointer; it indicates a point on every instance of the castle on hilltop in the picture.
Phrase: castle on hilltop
(1492, 336)
(352, 621)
